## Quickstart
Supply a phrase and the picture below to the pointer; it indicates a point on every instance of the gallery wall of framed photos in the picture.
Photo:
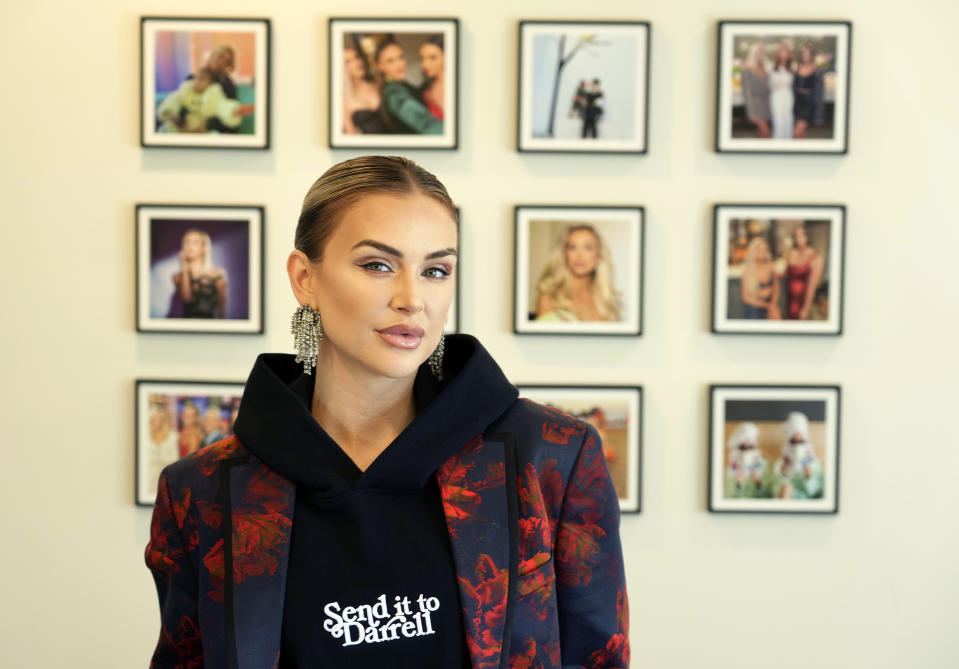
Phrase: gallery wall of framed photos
(751, 171)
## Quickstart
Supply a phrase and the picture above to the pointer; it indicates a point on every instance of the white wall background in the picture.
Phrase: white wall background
(875, 586)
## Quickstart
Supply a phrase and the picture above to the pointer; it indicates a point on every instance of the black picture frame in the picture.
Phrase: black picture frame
(380, 129)
(798, 310)
(619, 227)
(827, 125)
(162, 397)
(234, 238)
(804, 479)
(222, 111)
(631, 126)
(588, 402)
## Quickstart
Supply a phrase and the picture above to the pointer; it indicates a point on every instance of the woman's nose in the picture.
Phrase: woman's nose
(407, 297)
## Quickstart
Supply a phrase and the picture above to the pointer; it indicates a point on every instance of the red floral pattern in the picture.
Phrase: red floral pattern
(568, 546)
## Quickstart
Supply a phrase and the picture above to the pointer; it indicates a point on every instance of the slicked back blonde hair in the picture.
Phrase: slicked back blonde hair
(345, 183)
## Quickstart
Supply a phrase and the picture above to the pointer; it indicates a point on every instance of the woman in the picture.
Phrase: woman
(804, 268)
(200, 286)
(747, 474)
(190, 434)
(756, 90)
(402, 106)
(221, 62)
(808, 91)
(577, 284)
(433, 64)
(781, 97)
(799, 471)
(164, 444)
(361, 96)
(386, 499)
(759, 288)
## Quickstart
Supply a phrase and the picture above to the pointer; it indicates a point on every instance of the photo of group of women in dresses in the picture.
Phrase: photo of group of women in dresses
(616, 413)
(578, 270)
(204, 82)
(199, 268)
(774, 448)
(583, 86)
(783, 86)
(175, 419)
(393, 83)
(778, 269)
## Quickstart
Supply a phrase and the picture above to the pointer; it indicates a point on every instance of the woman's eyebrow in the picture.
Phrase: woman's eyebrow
(440, 254)
(386, 248)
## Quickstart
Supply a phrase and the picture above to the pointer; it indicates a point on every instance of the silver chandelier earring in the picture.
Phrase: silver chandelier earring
(436, 358)
(307, 331)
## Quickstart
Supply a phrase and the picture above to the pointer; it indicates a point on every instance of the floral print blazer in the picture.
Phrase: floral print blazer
(533, 520)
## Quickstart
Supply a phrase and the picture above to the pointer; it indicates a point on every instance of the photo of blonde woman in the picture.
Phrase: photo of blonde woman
(578, 269)
(577, 283)
(778, 269)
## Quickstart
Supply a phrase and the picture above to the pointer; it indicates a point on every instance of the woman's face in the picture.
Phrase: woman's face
(805, 54)
(800, 236)
(431, 60)
(353, 64)
(783, 53)
(222, 61)
(194, 246)
(385, 283)
(392, 63)
(582, 253)
(189, 416)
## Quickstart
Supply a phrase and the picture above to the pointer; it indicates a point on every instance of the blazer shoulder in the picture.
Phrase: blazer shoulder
(543, 425)
(205, 462)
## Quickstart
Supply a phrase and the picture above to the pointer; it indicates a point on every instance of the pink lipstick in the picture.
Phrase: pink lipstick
(402, 336)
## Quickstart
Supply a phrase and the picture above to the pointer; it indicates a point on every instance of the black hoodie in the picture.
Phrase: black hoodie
(371, 580)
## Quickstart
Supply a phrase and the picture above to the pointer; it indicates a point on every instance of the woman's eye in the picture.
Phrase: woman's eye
(376, 266)
(436, 272)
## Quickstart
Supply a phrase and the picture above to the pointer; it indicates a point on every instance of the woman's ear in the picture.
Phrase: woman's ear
(300, 270)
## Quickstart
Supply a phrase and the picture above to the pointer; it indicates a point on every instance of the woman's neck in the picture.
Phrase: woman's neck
(581, 285)
(361, 412)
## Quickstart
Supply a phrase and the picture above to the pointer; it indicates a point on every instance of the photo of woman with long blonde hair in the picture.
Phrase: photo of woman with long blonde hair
(759, 286)
(579, 270)
(201, 286)
(577, 284)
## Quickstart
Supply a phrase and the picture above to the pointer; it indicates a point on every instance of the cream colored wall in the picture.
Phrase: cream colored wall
(875, 586)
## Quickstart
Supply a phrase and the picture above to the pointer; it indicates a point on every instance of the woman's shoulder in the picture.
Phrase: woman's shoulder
(203, 463)
(538, 424)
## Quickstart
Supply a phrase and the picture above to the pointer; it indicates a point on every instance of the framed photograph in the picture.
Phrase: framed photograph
(783, 86)
(617, 414)
(774, 449)
(175, 418)
(778, 269)
(579, 270)
(583, 87)
(394, 83)
(205, 83)
(199, 268)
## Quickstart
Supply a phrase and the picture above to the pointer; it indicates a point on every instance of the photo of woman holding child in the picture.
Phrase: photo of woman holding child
(204, 82)
(393, 83)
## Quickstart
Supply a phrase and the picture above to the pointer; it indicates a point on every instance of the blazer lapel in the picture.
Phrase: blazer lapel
(261, 506)
(478, 488)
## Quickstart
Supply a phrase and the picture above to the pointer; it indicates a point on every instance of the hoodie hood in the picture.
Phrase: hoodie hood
(275, 423)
